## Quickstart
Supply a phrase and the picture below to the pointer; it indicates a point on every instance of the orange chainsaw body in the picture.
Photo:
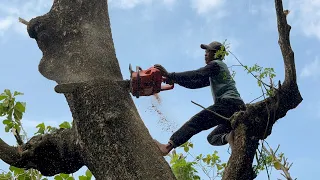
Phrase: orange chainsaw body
(147, 82)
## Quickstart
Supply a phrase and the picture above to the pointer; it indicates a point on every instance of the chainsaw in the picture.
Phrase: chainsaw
(147, 82)
(142, 83)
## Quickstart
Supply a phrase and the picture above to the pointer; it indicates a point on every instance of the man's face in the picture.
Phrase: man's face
(209, 55)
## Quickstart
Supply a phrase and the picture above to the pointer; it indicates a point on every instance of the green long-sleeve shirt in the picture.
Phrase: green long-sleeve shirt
(215, 74)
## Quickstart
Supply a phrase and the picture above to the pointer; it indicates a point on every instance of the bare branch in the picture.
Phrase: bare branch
(51, 154)
(284, 43)
(17, 136)
(8, 153)
(23, 21)
(283, 166)
(256, 98)
(225, 118)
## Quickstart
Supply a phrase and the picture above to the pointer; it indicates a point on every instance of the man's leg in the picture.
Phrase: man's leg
(202, 121)
(224, 134)
(218, 136)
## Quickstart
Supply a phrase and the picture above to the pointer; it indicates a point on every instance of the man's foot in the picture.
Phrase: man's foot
(230, 138)
(164, 148)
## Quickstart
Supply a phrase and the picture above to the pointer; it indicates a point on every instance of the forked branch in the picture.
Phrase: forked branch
(51, 154)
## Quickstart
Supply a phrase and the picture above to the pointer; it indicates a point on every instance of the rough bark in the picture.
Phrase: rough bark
(76, 41)
(51, 154)
(257, 121)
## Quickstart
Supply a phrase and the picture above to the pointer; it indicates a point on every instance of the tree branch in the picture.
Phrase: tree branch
(255, 123)
(283, 166)
(284, 43)
(51, 154)
(17, 136)
(225, 118)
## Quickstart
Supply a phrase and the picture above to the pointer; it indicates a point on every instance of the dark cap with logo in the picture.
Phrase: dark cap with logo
(214, 46)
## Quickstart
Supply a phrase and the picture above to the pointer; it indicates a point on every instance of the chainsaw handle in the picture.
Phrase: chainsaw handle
(167, 87)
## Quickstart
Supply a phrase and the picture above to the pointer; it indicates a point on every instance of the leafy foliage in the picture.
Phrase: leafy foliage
(184, 169)
(223, 51)
(260, 74)
(12, 110)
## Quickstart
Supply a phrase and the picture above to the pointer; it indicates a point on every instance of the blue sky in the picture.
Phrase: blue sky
(170, 32)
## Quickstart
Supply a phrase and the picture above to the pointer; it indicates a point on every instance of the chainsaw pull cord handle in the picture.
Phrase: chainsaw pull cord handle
(166, 87)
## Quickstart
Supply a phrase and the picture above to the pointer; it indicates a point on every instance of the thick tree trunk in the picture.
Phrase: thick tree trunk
(240, 162)
(115, 141)
(77, 45)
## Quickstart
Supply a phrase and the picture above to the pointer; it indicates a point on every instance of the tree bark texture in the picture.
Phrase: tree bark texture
(257, 121)
(76, 41)
(108, 135)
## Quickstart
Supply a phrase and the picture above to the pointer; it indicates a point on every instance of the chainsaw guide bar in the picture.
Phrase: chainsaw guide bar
(141, 83)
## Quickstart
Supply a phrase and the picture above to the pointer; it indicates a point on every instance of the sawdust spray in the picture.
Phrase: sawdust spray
(166, 125)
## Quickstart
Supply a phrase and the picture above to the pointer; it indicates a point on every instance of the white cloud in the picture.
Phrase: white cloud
(312, 69)
(169, 2)
(306, 15)
(129, 4)
(27, 10)
(205, 6)
(6, 23)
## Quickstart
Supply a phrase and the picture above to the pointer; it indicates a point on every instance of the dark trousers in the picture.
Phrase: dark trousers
(205, 120)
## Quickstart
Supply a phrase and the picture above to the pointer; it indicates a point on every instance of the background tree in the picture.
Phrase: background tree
(76, 35)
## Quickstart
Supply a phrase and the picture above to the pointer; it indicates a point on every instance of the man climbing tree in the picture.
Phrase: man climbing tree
(225, 94)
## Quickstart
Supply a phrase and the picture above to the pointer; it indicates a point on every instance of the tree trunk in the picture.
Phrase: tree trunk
(240, 162)
(77, 45)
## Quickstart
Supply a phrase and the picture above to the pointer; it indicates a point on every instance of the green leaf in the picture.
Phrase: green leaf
(58, 177)
(65, 176)
(17, 127)
(41, 126)
(6, 121)
(17, 115)
(88, 173)
(7, 128)
(83, 178)
(41, 129)
(16, 93)
(16, 170)
(70, 178)
(65, 125)
(219, 167)
(20, 106)
(186, 149)
(8, 92)
(3, 96)
(5, 103)
(191, 145)
(277, 165)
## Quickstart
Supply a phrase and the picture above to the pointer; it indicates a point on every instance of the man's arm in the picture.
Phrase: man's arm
(197, 78)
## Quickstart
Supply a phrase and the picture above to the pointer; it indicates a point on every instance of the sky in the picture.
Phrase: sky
(169, 32)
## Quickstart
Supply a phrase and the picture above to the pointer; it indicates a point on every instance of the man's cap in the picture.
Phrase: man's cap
(215, 45)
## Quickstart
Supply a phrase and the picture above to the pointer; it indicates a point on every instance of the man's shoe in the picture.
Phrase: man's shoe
(164, 148)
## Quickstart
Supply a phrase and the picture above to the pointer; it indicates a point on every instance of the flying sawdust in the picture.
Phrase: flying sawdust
(166, 125)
